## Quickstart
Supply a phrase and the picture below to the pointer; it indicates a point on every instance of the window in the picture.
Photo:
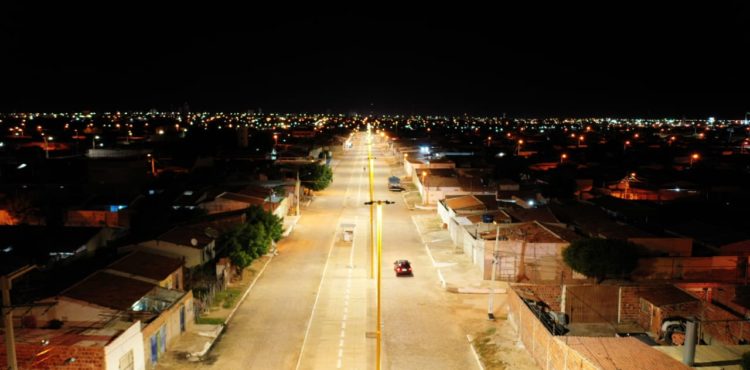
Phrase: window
(126, 361)
(645, 306)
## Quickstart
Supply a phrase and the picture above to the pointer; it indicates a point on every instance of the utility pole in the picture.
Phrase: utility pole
(297, 187)
(490, 308)
(370, 165)
(6, 283)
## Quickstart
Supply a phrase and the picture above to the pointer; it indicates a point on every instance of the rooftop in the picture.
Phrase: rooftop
(609, 353)
(152, 266)
(666, 295)
(109, 290)
(188, 235)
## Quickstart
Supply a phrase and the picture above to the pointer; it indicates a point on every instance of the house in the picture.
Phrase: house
(195, 245)
(163, 271)
(528, 251)
(105, 321)
(106, 344)
(163, 314)
(246, 198)
(435, 184)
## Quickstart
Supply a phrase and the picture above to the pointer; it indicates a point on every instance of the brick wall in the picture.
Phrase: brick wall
(33, 357)
(630, 304)
(549, 294)
(548, 351)
(722, 326)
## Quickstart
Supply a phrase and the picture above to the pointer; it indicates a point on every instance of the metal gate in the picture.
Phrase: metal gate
(591, 303)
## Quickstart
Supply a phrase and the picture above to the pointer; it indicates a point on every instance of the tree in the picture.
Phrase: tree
(600, 258)
(240, 259)
(316, 176)
(273, 224)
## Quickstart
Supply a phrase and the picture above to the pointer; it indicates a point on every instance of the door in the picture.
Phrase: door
(182, 319)
(154, 349)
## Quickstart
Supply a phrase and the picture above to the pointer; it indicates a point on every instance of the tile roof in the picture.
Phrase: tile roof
(109, 290)
(464, 203)
(148, 265)
(532, 232)
(666, 295)
(541, 214)
(621, 353)
(184, 235)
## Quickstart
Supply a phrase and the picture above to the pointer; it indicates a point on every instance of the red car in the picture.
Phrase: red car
(402, 267)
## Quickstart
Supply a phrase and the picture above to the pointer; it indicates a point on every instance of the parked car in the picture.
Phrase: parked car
(402, 267)
(396, 188)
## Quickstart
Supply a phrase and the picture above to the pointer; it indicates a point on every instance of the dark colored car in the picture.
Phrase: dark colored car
(402, 267)
(396, 189)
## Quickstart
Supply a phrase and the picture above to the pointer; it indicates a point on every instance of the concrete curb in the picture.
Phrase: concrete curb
(474, 351)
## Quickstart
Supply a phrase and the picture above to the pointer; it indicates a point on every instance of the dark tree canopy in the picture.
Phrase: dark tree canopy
(602, 258)
(316, 176)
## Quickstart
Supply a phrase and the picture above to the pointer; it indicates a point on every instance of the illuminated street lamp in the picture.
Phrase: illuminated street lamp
(93, 141)
(426, 199)
(580, 140)
(625, 145)
(563, 157)
(46, 145)
(518, 147)
(275, 139)
(694, 157)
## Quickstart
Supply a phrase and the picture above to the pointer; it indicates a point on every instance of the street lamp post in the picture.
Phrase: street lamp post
(563, 157)
(426, 199)
(370, 164)
(625, 145)
(93, 141)
(379, 242)
(495, 260)
(518, 147)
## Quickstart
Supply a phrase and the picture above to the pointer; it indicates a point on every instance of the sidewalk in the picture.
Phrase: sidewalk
(456, 272)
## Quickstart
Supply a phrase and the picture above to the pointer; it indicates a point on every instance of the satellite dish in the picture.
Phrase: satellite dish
(194, 242)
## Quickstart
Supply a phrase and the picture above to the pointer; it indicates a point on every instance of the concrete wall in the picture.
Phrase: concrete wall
(131, 340)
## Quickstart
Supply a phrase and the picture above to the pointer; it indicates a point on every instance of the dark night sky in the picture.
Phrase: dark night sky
(626, 60)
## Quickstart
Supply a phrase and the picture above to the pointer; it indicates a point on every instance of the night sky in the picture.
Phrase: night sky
(536, 60)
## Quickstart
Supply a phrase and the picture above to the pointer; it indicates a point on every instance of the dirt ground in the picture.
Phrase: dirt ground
(495, 341)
